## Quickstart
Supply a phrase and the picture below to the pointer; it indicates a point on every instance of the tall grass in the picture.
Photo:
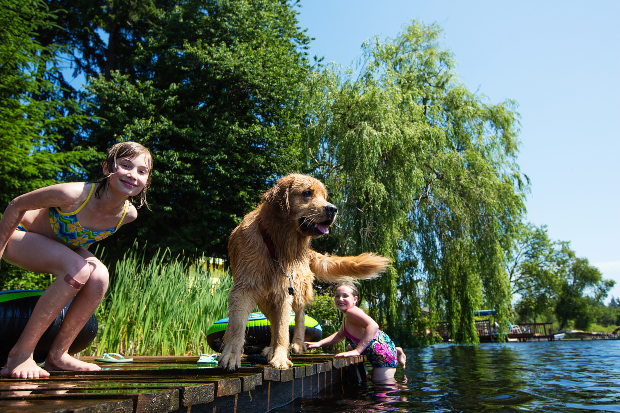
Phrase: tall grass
(160, 307)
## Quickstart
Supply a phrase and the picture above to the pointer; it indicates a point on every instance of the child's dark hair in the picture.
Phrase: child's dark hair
(128, 150)
(347, 284)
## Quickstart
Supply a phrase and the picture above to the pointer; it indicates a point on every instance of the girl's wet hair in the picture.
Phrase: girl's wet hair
(347, 284)
(129, 150)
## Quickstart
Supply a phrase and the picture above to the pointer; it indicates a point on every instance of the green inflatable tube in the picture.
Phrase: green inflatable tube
(258, 332)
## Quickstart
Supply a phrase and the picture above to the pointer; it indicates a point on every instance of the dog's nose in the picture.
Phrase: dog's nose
(331, 210)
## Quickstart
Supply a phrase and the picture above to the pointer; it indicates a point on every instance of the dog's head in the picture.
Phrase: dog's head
(302, 199)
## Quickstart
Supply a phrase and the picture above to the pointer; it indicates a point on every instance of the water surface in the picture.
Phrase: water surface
(545, 376)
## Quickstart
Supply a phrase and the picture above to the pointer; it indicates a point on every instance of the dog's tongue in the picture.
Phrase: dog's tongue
(323, 228)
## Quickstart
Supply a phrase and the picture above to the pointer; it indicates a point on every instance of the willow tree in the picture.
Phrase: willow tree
(424, 172)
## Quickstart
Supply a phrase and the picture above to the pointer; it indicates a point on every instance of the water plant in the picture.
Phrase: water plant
(160, 307)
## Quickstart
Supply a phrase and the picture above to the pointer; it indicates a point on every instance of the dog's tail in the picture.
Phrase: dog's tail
(332, 268)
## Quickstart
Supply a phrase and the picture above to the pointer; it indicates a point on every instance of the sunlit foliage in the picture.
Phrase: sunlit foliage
(426, 173)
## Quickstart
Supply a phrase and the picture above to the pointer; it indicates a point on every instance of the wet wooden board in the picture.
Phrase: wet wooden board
(77, 406)
(167, 384)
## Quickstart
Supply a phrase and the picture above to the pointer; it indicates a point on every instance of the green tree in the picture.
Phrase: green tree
(34, 113)
(606, 315)
(214, 91)
(425, 172)
(582, 289)
(98, 37)
(32, 108)
(532, 262)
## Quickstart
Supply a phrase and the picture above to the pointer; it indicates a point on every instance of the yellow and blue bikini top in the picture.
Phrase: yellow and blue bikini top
(68, 229)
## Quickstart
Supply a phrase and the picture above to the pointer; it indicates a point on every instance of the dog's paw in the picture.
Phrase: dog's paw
(280, 363)
(229, 361)
(268, 353)
(298, 348)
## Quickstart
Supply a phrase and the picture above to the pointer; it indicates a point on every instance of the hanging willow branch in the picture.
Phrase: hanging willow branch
(427, 177)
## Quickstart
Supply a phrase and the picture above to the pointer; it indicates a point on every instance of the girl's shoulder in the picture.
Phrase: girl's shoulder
(358, 316)
(355, 314)
(64, 196)
(75, 189)
(130, 214)
(72, 194)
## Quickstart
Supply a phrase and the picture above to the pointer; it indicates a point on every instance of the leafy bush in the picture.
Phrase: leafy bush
(323, 310)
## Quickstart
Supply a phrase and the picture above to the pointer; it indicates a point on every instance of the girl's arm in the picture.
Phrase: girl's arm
(358, 317)
(60, 195)
(335, 338)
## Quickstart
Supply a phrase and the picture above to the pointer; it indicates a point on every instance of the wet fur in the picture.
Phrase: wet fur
(289, 216)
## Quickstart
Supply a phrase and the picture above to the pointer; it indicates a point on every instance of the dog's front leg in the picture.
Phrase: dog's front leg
(278, 349)
(298, 346)
(239, 308)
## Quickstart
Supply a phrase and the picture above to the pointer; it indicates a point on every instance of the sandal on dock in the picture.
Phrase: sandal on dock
(113, 358)
(207, 359)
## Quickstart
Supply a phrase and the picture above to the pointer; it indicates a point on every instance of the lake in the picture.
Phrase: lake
(545, 376)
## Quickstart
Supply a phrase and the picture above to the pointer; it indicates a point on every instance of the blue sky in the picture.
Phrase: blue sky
(560, 60)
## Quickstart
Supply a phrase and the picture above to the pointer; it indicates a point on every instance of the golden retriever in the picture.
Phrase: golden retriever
(273, 266)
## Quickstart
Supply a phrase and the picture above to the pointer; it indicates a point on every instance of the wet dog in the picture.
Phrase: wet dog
(274, 267)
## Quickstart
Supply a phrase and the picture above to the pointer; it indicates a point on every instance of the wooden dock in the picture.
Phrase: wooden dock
(522, 332)
(180, 384)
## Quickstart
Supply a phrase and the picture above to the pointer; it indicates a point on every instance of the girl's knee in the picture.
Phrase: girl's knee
(92, 274)
(99, 276)
(80, 276)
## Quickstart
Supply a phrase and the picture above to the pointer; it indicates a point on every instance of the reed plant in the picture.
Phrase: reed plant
(160, 307)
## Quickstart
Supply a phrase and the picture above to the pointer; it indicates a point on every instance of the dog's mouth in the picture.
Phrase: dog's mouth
(314, 229)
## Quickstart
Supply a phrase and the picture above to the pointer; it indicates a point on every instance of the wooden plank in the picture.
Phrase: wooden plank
(300, 371)
(143, 401)
(83, 406)
(197, 395)
(340, 362)
(227, 387)
(287, 375)
(190, 392)
(271, 374)
(230, 383)
(320, 367)
(328, 365)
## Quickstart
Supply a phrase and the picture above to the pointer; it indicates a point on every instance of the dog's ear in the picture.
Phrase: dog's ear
(277, 197)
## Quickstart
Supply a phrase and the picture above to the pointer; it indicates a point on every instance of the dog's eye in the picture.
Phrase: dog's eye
(306, 194)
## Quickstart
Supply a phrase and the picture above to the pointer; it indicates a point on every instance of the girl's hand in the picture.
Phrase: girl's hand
(352, 353)
(312, 344)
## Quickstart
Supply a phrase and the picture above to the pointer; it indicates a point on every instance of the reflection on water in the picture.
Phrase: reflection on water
(556, 376)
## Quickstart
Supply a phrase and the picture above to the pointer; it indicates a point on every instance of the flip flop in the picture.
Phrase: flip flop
(207, 359)
(110, 358)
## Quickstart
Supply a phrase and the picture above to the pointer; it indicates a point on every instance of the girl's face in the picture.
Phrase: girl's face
(131, 175)
(344, 298)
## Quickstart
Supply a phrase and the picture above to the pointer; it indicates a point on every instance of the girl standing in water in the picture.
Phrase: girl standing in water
(49, 230)
(363, 334)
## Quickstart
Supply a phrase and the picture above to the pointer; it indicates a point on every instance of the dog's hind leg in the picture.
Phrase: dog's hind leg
(239, 308)
(298, 346)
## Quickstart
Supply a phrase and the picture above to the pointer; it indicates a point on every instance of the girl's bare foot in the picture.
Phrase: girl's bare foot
(68, 363)
(400, 355)
(23, 366)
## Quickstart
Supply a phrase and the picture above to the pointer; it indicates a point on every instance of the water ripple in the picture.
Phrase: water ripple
(557, 376)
